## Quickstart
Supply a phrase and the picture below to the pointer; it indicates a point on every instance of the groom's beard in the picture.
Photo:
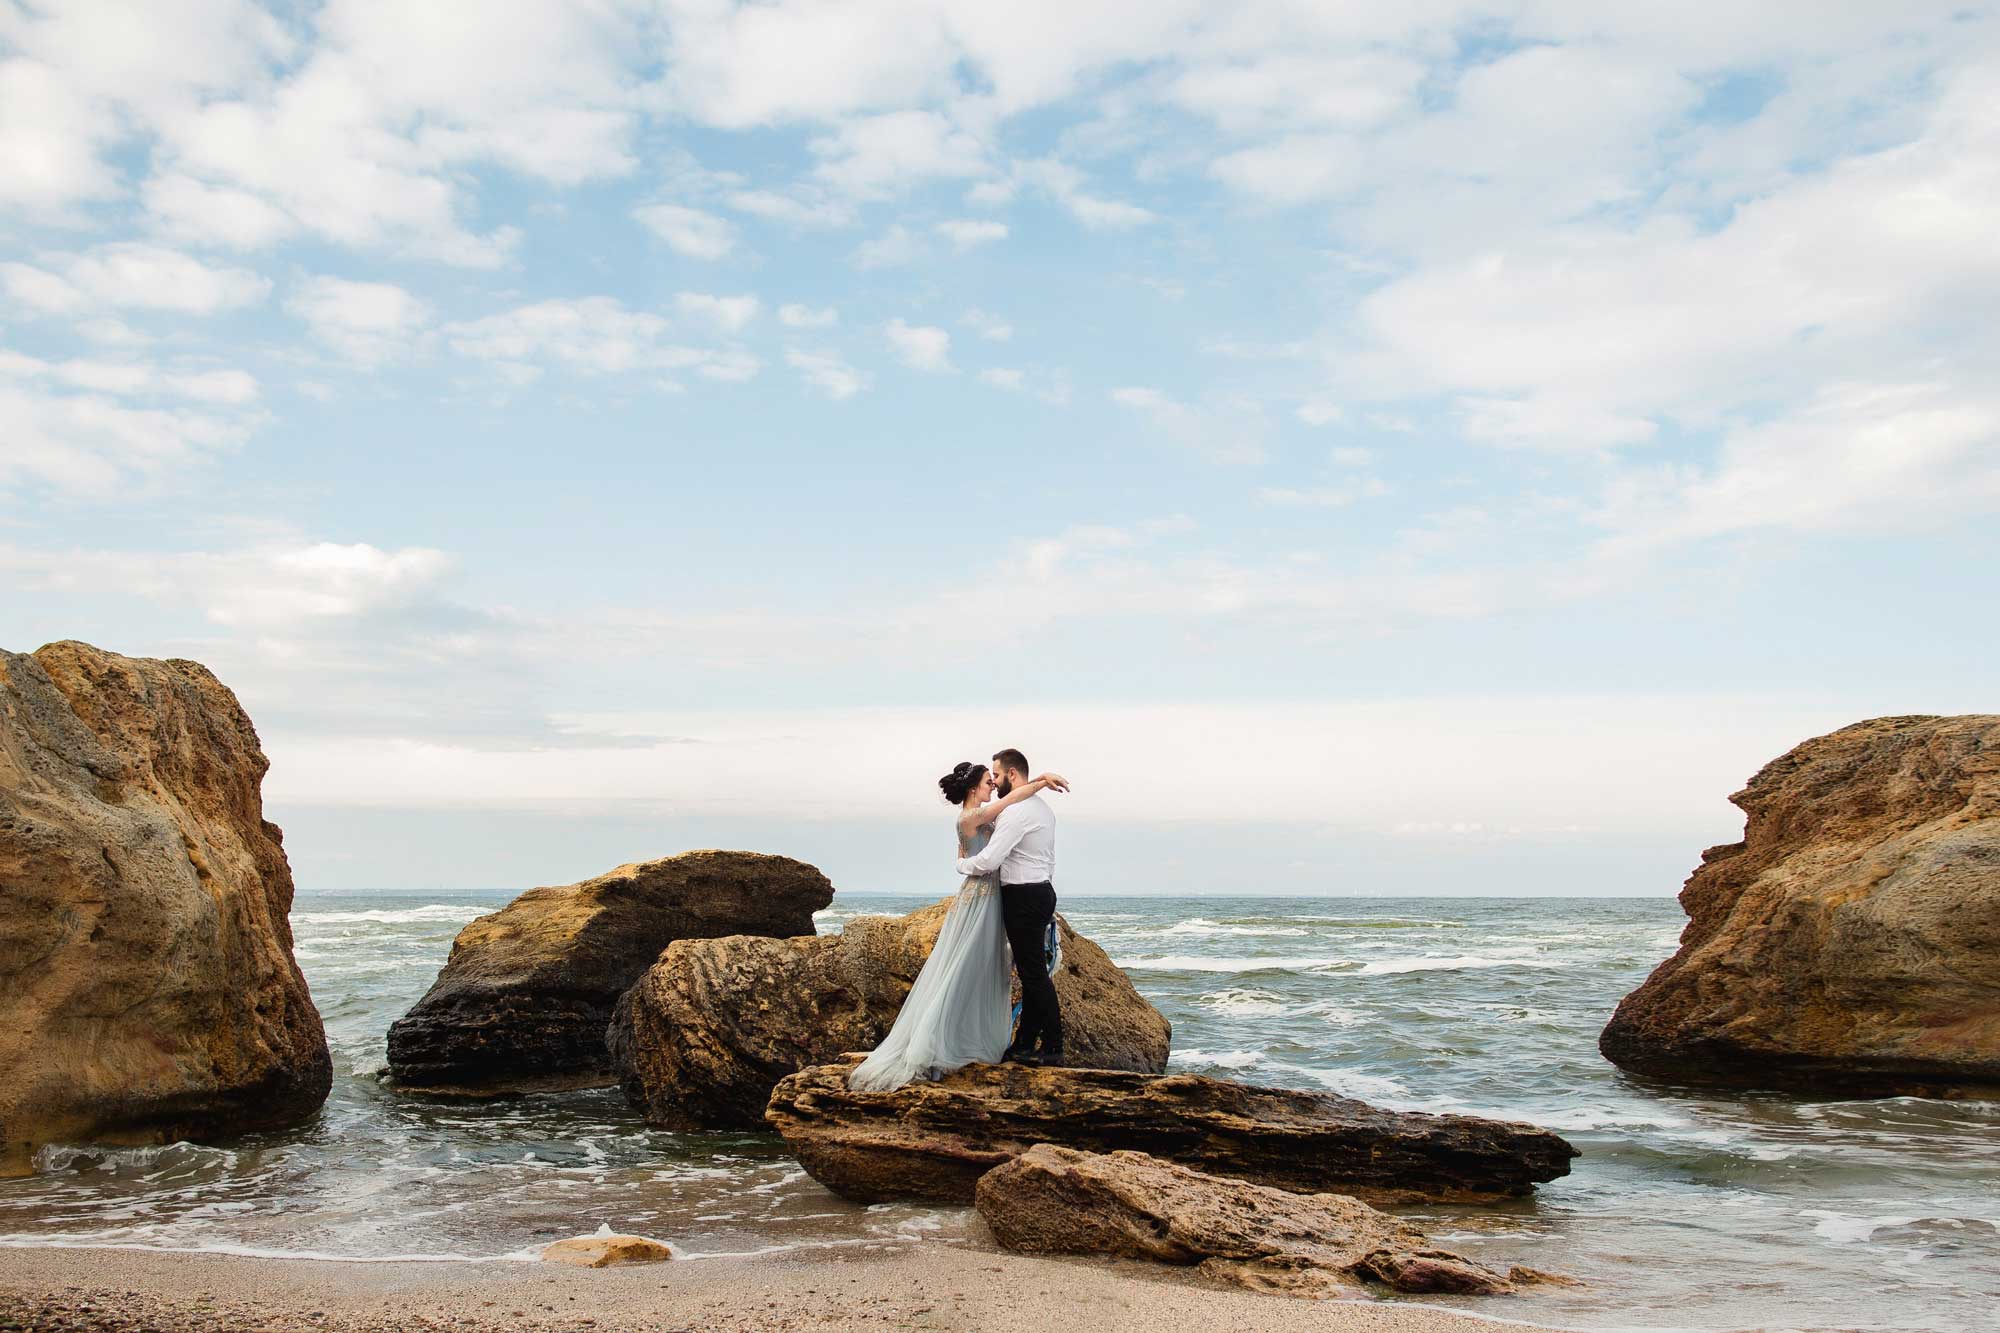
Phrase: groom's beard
(1005, 789)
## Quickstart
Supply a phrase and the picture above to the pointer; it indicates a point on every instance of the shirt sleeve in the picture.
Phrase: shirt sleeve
(1008, 830)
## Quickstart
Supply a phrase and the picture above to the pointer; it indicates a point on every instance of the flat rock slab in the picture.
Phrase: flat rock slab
(1052, 1200)
(525, 998)
(702, 1039)
(1850, 944)
(933, 1141)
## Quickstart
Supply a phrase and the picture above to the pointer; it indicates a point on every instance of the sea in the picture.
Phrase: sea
(1688, 1209)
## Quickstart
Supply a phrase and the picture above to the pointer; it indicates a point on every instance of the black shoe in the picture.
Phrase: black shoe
(1019, 1055)
(1050, 1057)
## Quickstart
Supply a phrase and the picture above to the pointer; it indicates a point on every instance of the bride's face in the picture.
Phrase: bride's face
(984, 791)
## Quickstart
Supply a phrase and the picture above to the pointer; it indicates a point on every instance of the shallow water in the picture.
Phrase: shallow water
(1685, 1210)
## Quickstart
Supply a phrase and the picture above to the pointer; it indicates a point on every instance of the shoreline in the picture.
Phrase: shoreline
(921, 1287)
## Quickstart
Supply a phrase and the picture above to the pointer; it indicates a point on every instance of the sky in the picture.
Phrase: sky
(1425, 447)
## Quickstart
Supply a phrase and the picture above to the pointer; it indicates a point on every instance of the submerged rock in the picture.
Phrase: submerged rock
(935, 1140)
(1052, 1200)
(702, 1039)
(1851, 942)
(526, 995)
(147, 985)
(604, 1250)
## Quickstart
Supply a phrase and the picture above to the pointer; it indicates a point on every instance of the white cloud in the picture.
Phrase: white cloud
(892, 249)
(874, 156)
(1351, 455)
(826, 372)
(729, 314)
(133, 275)
(92, 444)
(593, 335)
(1860, 457)
(369, 323)
(1322, 497)
(990, 327)
(195, 212)
(1051, 389)
(967, 233)
(802, 205)
(133, 378)
(689, 231)
(794, 316)
(1320, 412)
(1230, 434)
(1065, 184)
(919, 346)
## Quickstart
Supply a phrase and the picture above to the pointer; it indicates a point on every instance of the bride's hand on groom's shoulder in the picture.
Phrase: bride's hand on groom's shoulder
(1054, 781)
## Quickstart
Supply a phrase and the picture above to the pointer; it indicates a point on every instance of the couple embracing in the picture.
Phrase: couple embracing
(957, 1013)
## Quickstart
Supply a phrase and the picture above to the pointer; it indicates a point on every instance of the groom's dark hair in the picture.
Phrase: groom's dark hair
(1013, 759)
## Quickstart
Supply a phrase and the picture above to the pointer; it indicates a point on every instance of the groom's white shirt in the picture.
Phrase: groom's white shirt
(1023, 849)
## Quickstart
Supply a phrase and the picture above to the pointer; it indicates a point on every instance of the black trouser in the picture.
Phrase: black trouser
(1026, 910)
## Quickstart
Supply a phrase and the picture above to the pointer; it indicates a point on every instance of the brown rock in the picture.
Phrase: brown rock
(147, 986)
(602, 1251)
(704, 1037)
(1851, 941)
(526, 995)
(1052, 1200)
(935, 1140)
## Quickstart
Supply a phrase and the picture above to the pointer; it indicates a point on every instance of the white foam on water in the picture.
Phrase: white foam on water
(1601, 1117)
(1394, 966)
(1181, 962)
(1846, 1229)
(441, 912)
(1202, 926)
(1241, 1003)
(1219, 1059)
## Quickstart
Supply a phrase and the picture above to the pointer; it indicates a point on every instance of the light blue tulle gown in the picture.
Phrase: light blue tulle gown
(957, 1013)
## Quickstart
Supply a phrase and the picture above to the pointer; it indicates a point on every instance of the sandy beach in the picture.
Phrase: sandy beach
(928, 1287)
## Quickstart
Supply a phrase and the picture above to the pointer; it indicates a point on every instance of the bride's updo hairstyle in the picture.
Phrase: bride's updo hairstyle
(958, 783)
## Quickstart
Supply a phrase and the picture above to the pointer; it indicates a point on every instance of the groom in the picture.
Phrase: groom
(1023, 850)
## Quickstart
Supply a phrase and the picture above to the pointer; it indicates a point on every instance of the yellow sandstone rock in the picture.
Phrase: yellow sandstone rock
(604, 1251)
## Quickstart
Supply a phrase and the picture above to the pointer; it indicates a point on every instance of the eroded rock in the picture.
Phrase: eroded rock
(1052, 1200)
(1851, 942)
(935, 1140)
(528, 991)
(702, 1039)
(147, 985)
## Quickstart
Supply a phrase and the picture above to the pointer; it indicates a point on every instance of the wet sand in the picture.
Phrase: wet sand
(929, 1287)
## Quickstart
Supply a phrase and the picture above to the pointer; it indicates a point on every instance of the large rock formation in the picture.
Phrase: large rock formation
(147, 987)
(1052, 1200)
(1851, 942)
(934, 1140)
(527, 993)
(704, 1037)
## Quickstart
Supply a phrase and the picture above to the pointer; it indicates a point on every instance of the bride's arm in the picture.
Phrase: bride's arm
(986, 814)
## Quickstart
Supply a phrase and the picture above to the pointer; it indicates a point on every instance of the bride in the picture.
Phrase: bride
(957, 1012)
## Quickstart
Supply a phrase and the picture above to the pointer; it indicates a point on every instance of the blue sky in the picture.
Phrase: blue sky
(1433, 447)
